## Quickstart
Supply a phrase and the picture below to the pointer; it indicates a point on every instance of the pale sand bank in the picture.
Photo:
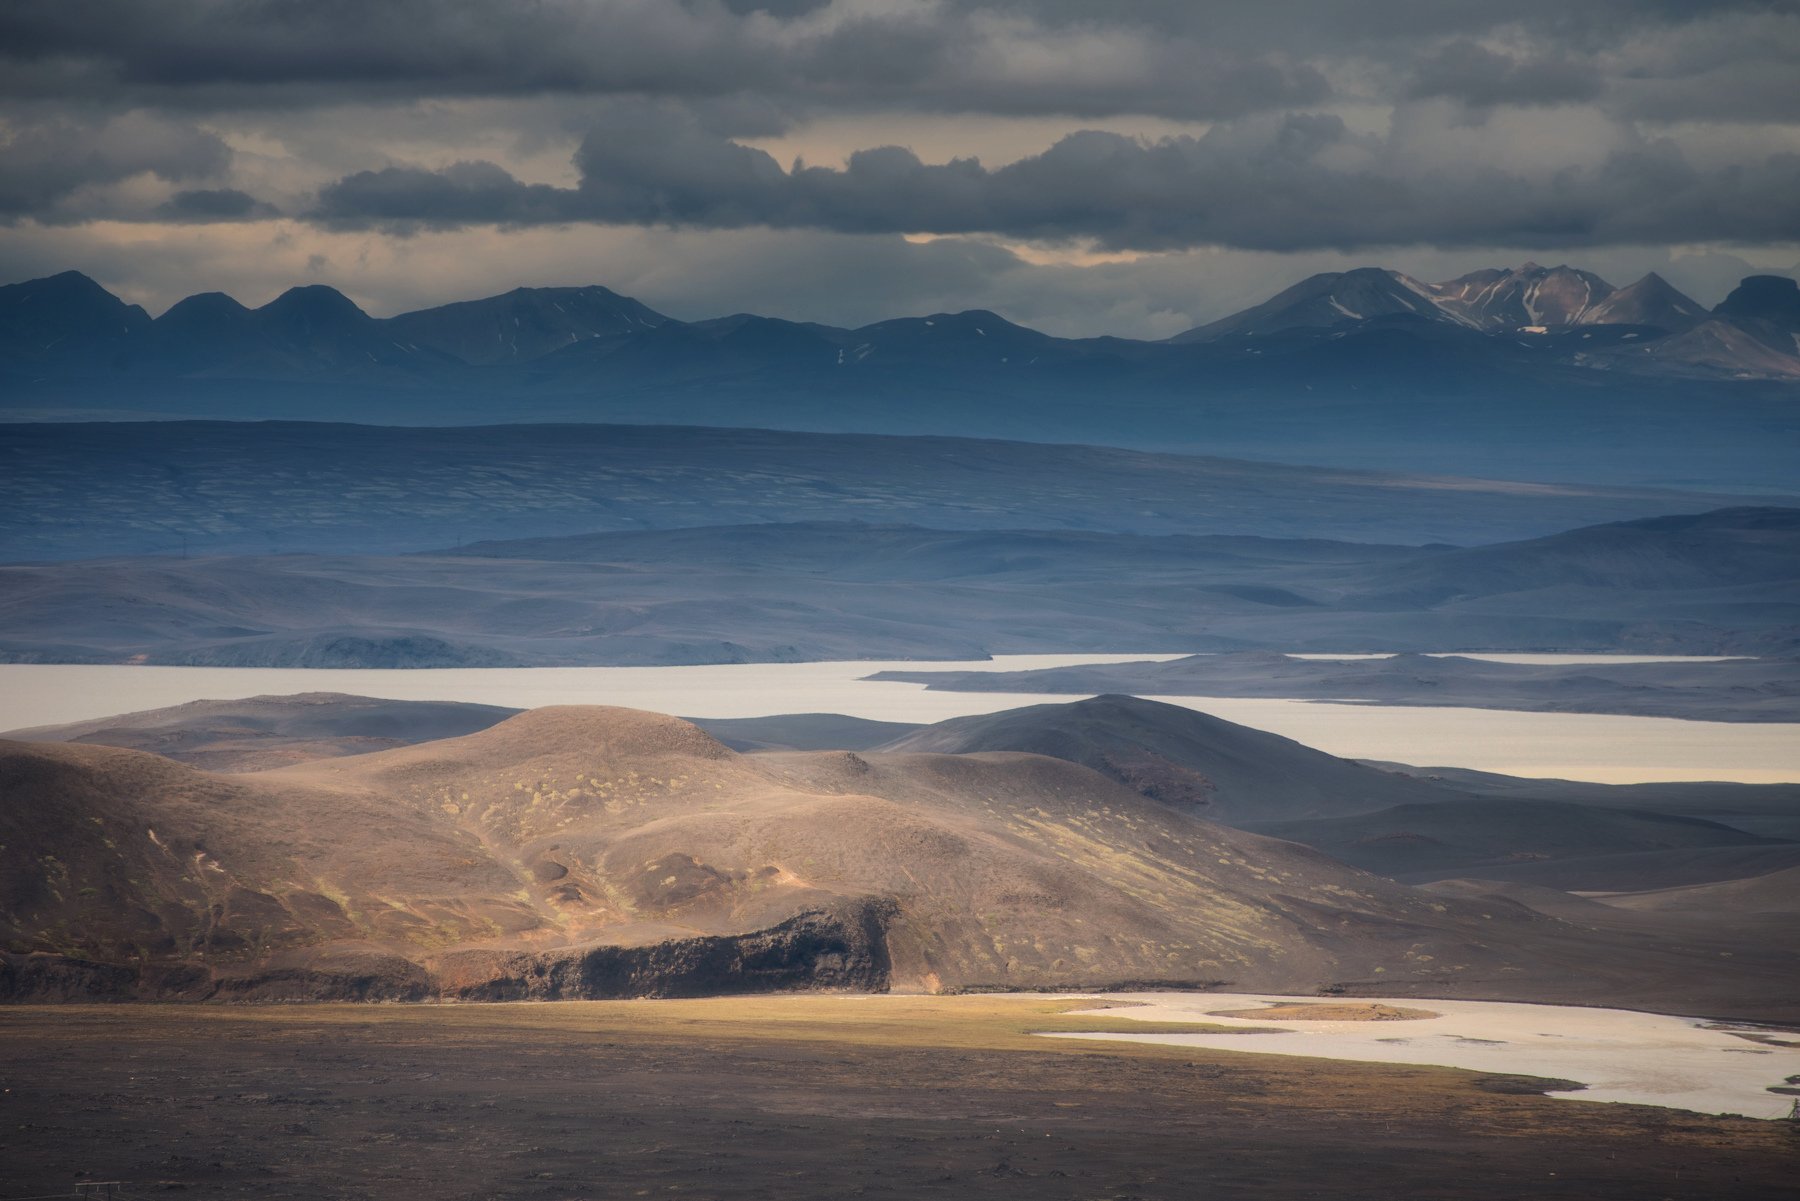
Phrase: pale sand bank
(1641, 1058)
(1573, 746)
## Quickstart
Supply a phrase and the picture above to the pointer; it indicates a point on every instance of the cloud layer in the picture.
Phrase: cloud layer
(1300, 182)
(1148, 126)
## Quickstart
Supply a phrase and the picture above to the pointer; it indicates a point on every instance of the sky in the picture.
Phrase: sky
(1134, 167)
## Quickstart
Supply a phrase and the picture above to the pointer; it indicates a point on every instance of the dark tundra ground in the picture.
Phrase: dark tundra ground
(797, 1097)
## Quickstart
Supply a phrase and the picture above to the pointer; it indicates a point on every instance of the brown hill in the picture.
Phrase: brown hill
(1458, 838)
(574, 852)
(1773, 893)
(261, 732)
(1216, 769)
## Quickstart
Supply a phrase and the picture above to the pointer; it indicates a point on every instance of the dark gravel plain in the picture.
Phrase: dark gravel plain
(798, 1097)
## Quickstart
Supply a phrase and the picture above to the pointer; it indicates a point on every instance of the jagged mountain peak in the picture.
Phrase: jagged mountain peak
(1651, 301)
(61, 314)
(1335, 325)
(1763, 298)
(67, 292)
(523, 324)
(202, 308)
(1524, 297)
(975, 321)
(314, 305)
(1327, 299)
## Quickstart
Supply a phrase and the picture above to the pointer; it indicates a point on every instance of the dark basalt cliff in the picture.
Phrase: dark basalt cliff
(839, 948)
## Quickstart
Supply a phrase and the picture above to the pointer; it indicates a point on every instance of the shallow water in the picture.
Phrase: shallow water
(44, 694)
(1540, 660)
(1611, 749)
(1641, 1058)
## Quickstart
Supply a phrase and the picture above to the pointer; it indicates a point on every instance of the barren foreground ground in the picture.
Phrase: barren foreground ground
(794, 1097)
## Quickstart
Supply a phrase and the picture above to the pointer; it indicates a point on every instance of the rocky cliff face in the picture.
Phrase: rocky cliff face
(841, 948)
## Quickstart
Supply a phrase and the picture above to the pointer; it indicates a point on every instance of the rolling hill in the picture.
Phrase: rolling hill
(234, 487)
(1392, 823)
(1775, 893)
(840, 590)
(1438, 840)
(1399, 821)
(1755, 690)
(1641, 871)
(261, 732)
(594, 852)
(1187, 760)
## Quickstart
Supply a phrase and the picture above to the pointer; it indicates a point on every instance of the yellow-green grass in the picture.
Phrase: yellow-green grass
(987, 1022)
(884, 1025)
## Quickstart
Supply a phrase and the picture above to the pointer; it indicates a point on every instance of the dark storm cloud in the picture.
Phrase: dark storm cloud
(1301, 182)
(1599, 123)
(1158, 57)
(201, 205)
(289, 52)
(45, 163)
(1313, 23)
(1483, 78)
(1740, 70)
(776, 8)
(1170, 58)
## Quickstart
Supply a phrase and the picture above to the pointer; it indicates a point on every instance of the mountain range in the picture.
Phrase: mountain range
(1363, 367)
(71, 322)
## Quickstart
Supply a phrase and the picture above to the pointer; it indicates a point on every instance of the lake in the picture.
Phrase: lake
(1640, 1058)
(1606, 748)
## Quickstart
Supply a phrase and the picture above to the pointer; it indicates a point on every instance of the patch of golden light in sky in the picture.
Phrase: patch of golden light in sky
(940, 137)
(1046, 254)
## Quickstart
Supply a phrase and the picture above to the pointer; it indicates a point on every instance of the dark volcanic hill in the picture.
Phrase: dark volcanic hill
(1393, 823)
(1772, 810)
(1775, 893)
(1458, 838)
(260, 732)
(1380, 820)
(599, 852)
(1755, 690)
(1768, 307)
(1188, 760)
(803, 732)
(1639, 871)
(274, 731)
